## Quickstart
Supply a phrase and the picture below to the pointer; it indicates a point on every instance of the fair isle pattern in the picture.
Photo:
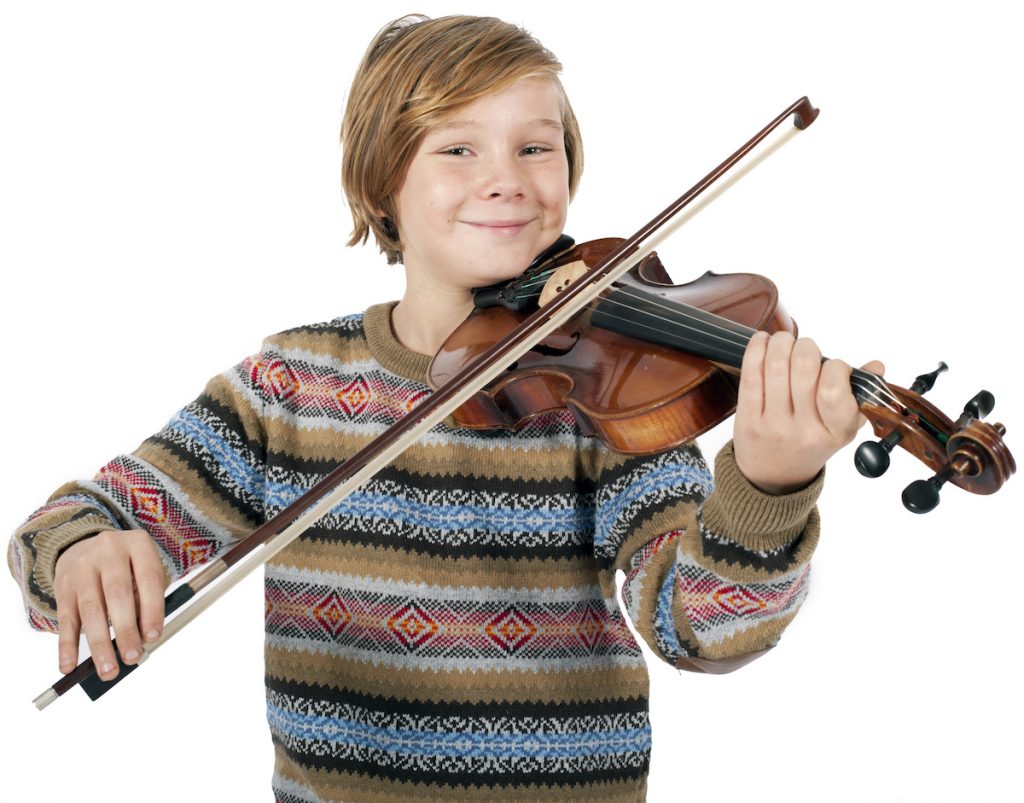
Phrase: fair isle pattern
(208, 442)
(717, 609)
(151, 501)
(287, 791)
(676, 475)
(451, 517)
(444, 628)
(665, 635)
(408, 631)
(463, 744)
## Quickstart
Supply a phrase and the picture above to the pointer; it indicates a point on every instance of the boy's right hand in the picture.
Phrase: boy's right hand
(115, 576)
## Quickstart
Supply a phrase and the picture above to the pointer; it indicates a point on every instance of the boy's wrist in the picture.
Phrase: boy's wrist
(750, 516)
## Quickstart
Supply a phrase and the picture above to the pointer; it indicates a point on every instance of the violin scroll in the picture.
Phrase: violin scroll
(968, 452)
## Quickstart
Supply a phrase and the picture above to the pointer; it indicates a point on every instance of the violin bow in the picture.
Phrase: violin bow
(277, 533)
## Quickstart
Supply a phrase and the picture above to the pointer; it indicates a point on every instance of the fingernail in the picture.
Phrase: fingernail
(66, 663)
(107, 667)
(153, 635)
(131, 655)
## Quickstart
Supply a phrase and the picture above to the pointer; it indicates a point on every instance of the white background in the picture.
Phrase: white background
(169, 196)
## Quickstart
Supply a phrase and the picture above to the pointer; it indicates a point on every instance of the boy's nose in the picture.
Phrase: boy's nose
(503, 177)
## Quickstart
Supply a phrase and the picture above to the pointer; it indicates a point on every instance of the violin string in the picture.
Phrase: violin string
(869, 385)
(872, 387)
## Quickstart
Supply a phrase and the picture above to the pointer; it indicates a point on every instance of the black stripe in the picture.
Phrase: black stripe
(518, 547)
(725, 551)
(391, 705)
(344, 329)
(509, 780)
(314, 470)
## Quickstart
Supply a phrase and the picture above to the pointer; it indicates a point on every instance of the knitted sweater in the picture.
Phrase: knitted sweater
(451, 630)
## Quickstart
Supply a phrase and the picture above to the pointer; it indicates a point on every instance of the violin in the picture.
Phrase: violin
(576, 330)
(652, 365)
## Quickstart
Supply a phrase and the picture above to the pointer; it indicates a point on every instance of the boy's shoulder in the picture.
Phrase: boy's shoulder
(347, 326)
(335, 337)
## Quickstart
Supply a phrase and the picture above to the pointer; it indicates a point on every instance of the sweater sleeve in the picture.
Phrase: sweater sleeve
(196, 487)
(713, 577)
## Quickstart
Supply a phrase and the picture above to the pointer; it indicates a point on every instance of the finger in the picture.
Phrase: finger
(69, 628)
(120, 599)
(93, 613)
(150, 583)
(805, 370)
(750, 403)
(778, 399)
(869, 386)
(836, 403)
(874, 367)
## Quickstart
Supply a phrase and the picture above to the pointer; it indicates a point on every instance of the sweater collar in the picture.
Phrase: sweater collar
(386, 348)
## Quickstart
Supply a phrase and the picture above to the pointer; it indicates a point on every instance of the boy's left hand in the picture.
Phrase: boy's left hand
(794, 411)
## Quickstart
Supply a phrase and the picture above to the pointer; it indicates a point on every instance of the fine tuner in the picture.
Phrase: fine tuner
(965, 457)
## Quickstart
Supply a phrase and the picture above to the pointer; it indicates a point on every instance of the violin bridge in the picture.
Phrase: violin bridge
(561, 279)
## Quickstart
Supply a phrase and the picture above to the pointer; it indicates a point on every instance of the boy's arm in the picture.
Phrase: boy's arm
(195, 487)
(712, 579)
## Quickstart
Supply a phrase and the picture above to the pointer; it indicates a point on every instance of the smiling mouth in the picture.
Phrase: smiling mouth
(500, 228)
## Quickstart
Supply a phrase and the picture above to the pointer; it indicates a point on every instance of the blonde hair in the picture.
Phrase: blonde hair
(417, 71)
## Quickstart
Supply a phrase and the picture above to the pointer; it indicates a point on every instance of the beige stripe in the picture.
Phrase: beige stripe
(228, 394)
(481, 458)
(403, 566)
(323, 342)
(465, 687)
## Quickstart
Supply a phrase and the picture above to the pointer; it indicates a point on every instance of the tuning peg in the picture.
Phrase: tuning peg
(872, 459)
(925, 382)
(978, 407)
(923, 495)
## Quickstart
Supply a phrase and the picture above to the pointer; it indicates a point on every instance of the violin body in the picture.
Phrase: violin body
(638, 396)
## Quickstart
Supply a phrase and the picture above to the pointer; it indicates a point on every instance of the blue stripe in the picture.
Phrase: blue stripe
(238, 469)
(455, 517)
(458, 744)
(674, 477)
(664, 621)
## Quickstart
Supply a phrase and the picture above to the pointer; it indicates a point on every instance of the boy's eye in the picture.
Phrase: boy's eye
(531, 150)
(458, 150)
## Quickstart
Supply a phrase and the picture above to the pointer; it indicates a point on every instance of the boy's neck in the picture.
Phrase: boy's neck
(422, 321)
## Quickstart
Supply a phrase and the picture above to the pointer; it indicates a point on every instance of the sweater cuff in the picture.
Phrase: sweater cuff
(748, 516)
(49, 546)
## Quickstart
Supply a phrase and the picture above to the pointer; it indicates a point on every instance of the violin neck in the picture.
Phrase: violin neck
(652, 318)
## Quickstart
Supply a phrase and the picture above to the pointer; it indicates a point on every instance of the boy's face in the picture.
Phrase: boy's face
(487, 190)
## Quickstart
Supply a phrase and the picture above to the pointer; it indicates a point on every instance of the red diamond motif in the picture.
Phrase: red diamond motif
(590, 627)
(413, 626)
(413, 400)
(354, 397)
(738, 601)
(149, 505)
(196, 550)
(282, 380)
(510, 630)
(332, 615)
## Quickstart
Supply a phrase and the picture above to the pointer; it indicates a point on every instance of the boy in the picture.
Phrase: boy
(451, 629)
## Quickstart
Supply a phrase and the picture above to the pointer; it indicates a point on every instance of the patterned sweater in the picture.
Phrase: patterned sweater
(451, 630)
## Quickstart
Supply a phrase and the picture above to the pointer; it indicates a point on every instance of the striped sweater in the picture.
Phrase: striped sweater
(451, 630)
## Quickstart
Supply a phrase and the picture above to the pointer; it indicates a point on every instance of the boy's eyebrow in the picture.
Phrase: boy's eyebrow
(458, 124)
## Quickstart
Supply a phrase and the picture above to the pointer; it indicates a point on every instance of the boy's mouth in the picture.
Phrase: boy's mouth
(500, 228)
